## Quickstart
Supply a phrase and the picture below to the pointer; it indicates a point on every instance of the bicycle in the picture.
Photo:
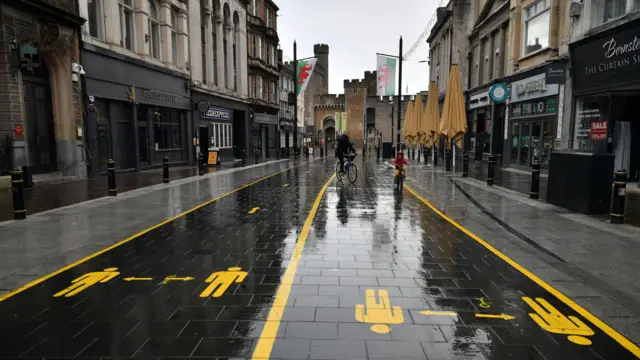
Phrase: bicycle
(349, 168)
(399, 179)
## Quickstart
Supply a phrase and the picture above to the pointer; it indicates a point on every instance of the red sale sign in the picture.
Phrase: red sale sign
(599, 130)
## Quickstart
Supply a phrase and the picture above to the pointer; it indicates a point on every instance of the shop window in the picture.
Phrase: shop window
(167, 129)
(96, 18)
(536, 26)
(125, 8)
(591, 112)
(154, 31)
(174, 38)
(221, 135)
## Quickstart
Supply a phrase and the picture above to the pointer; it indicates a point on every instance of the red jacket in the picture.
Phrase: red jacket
(397, 161)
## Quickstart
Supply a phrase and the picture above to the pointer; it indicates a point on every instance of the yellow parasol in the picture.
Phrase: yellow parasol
(418, 115)
(453, 124)
(431, 118)
(406, 126)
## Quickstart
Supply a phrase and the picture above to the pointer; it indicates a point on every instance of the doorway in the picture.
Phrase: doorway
(531, 139)
(39, 123)
(263, 137)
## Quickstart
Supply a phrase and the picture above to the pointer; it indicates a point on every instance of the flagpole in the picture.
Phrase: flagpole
(295, 101)
(399, 95)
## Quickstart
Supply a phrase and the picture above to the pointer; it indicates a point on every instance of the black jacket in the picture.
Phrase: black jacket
(344, 146)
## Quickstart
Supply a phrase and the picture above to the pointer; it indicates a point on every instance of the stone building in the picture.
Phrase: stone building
(287, 115)
(41, 119)
(318, 84)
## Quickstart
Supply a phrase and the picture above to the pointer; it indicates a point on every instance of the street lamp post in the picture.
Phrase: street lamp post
(399, 94)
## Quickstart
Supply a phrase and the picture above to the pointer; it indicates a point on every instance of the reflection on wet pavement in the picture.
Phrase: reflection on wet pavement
(380, 276)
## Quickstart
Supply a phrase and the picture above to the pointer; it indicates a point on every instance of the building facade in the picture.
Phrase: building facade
(602, 94)
(318, 84)
(41, 118)
(264, 73)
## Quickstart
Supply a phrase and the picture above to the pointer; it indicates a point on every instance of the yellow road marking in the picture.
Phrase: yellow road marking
(252, 211)
(492, 316)
(626, 343)
(138, 279)
(270, 330)
(220, 281)
(378, 311)
(109, 248)
(439, 313)
(174, 278)
(285, 185)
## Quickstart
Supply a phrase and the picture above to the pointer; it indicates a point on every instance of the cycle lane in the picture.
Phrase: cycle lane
(386, 276)
(199, 285)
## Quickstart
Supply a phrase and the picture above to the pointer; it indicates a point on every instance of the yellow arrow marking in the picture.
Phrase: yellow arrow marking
(138, 279)
(174, 278)
(252, 211)
(440, 313)
(286, 185)
(491, 316)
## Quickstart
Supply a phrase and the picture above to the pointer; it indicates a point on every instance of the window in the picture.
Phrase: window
(235, 67)
(203, 41)
(273, 55)
(269, 55)
(253, 90)
(226, 63)
(154, 30)
(260, 87)
(221, 135)
(126, 24)
(259, 49)
(614, 9)
(536, 26)
(252, 45)
(174, 38)
(589, 110)
(267, 16)
(167, 129)
(96, 18)
(254, 7)
(214, 41)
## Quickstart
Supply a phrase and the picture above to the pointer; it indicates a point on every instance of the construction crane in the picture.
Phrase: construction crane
(425, 33)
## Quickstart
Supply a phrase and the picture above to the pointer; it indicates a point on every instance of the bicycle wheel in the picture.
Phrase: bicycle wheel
(338, 173)
(352, 173)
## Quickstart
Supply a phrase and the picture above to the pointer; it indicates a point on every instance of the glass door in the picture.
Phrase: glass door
(525, 144)
(515, 142)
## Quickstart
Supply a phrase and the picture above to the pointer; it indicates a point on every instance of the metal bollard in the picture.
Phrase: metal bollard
(321, 151)
(492, 163)
(201, 164)
(435, 157)
(465, 164)
(425, 154)
(277, 154)
(255, 156)
(17, 187)
(413, 154)
(111, 177)
(535, 180)
(447, 160)
(419, 155)
(165, 170)
(618, 197)
(244, 157)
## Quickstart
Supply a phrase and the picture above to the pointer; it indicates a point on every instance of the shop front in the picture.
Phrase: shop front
(264, 130)
(533, 114)
(606, 89)
(137, 115)
(286, 134)
(223, 122)
(478, 123)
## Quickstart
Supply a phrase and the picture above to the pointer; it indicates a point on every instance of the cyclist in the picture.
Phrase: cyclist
(344, 147)
(400, 162)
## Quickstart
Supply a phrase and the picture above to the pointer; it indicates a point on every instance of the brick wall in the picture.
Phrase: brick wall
(356, 104)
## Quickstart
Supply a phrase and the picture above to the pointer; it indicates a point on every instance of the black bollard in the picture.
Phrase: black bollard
(492, 163)
(413, 154)
(255, 156)
(111, 177)
(447, 160)
(535, 180)
(435, 157)
(244, 157)
(419, 155)
(618, 197)
(321, 151)
(17, 187)
(165, 170)
(425, 155)
(201, 164)
(465, 164)
(277, 155)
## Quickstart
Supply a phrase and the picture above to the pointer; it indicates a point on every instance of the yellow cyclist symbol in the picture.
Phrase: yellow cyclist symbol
(380, 313)
(87, 280)
(553, 321)
(221, 280)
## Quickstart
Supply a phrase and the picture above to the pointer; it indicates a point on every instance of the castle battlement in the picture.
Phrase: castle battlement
(354, 84)
(321, 49)
(329, 99)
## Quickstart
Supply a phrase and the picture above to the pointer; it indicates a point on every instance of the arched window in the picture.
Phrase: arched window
(154, 30)
(174, 37)
(125, 8)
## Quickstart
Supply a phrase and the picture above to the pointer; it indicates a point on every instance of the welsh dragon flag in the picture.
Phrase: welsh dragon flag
(305, 69)
(386, 83)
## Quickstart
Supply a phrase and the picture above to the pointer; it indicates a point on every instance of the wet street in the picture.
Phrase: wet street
(295, 265)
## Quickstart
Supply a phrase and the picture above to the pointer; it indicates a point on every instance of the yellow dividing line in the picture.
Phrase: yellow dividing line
(253, 211)
(50, 275)
(270, 330)
(626, 343)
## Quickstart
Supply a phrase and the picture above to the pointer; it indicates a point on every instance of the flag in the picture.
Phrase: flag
(305, 70)
(344, 121)
(386, 71)
(338, 117)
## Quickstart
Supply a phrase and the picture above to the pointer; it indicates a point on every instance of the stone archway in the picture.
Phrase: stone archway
(329, 132)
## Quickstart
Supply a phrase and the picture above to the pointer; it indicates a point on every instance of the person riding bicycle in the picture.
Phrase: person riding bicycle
(344, 147)
(399, 163)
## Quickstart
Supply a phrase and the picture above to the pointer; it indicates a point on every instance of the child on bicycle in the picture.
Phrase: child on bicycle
(400, 162)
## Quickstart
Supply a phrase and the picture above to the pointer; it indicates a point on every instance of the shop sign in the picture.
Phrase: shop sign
(533, 87)
(599, 130)
(537, 107)
(607, 60)
(158, 96)
(30, 62)
(215, 113)
(268, 119)
(556, 73)
(479, 100)
(499, 93)
(17, 129)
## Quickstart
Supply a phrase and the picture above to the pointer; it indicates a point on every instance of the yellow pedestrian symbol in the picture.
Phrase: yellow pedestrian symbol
(484, 304)
(85, 281)
(379, 312)
(221, 280)
(553, 321)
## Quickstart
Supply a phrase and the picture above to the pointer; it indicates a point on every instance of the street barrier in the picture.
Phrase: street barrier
(491, 169)
(465, 164)
(111, 177)
(535, 180)
(165, 170)
(618, 197)
(17, 187)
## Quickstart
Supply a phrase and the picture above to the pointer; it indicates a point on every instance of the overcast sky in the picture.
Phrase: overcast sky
(355, 31)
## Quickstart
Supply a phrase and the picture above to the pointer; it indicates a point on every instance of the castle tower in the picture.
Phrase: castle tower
(355, 92)
(321, 51)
